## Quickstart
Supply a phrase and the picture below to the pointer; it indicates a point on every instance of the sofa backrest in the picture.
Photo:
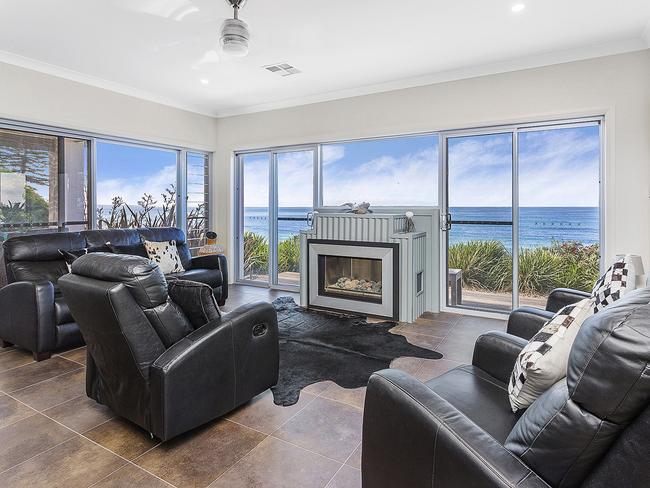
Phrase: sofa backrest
(37, 258)
(567, 431)
(130, 237)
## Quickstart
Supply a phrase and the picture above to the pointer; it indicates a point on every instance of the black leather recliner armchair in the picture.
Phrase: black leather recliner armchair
(34, 315)
(590, 429)
(152, 358)
(526, 321)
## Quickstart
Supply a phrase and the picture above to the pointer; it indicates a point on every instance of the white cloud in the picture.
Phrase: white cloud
(333, 153)
(408, 180)
(132, 189)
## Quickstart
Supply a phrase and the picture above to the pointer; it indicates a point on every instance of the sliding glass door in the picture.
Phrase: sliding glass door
(521, 214)
(559, 215)
(479, 221)
(276, 192)
(295, 200)
(254, 171)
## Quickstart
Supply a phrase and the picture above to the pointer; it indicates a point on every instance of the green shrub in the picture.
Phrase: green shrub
(540, 270)
(289, 255)
(487, 266)
(581, 264)
(256, 255)
(481, 261)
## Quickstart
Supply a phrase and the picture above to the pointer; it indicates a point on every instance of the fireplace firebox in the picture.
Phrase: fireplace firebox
(354, 277)
(348, 277)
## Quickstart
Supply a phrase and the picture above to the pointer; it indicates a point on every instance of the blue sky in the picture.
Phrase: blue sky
(558, 167)
(129, 171)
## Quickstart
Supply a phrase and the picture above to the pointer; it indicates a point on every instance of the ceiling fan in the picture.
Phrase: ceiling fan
(234, 32)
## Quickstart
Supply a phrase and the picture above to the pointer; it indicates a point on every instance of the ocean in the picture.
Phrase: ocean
(538, 226)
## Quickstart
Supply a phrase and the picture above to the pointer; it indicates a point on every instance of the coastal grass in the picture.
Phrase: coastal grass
(486, 265)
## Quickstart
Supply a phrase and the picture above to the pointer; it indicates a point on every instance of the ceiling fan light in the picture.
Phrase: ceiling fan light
(234, 37)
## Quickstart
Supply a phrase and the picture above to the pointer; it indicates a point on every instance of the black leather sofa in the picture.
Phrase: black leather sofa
(35, 316)
(589, 430)
(164, 357)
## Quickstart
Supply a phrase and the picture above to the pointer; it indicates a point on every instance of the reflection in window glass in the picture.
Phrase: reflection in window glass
(29, 199)
(136, 186)
(76, 189)
(197, 198)
(398, 171)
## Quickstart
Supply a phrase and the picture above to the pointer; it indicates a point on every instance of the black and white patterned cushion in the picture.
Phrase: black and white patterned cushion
(543, 361)
(165, 255)
(617, 280)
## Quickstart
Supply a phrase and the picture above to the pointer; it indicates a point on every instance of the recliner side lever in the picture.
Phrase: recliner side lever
(259, 330)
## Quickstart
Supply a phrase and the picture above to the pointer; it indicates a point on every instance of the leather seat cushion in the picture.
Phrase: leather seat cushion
(480, 397)
(211, 277)
(62, 312)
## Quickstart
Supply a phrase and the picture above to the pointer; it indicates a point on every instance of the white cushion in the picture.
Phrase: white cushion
(543, 361)
(165, 255)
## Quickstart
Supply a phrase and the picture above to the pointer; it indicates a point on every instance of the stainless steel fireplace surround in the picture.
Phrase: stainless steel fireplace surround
(354, 276)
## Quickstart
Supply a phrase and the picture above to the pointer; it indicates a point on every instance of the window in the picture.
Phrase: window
(136, 186)
(254, 241)
(32, 169)
(559, 214)
(29, 166)
(197, 198)
(505, 248)
(76, 183)
(48, 184)
(276, 198)
(395, 171)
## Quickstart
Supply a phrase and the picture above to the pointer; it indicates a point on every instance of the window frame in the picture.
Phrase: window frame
(92, 138)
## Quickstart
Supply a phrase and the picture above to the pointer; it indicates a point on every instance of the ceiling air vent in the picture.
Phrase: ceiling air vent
(282, 69)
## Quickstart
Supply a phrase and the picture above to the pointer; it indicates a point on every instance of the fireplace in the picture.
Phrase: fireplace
(354, 276)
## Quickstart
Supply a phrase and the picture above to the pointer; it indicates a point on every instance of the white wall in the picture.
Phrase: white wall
(616, 86)
(30, 96)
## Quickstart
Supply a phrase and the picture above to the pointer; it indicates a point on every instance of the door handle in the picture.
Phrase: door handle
(446, 222)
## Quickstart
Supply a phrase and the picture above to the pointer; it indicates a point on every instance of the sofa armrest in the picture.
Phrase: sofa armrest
(561, 297)
(210, 371)
(525, 322)
(214, 261)
(27, 316)
(496, 353)
(413, 437)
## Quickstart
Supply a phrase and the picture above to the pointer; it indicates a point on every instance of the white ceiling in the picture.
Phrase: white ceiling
(162, 49)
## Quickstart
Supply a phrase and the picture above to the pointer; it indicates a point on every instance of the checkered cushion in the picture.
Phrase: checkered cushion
(617, 280)
(543, 361)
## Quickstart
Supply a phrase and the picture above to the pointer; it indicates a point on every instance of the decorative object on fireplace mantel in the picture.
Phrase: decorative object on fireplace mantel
(358, 208)
(314, 345)
(410, 225)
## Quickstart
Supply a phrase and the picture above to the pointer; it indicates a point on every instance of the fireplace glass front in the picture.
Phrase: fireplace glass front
(350, 277)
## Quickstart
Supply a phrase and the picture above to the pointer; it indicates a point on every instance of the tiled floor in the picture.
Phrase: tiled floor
(51, 434)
